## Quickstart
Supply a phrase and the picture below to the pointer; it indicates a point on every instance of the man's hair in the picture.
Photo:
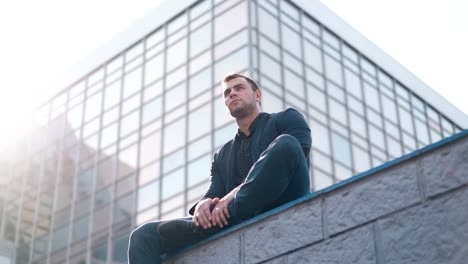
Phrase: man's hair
(252, 83)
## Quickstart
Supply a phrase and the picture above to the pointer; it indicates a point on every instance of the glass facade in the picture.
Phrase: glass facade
(132, 141)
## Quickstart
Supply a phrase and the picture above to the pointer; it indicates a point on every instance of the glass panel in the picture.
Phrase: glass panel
(268, 24)
(337, 111)
(174, 135)
(422, 132)
(199, 122)
(376, 136)
(312, 56)
(148, 195)
(372, 96)
(132, 82)
(235, 62)
(199, 147)
(231, 44)
(173, 183)
(175, 97)
(225, 134)
(93, 106)
(236, 18)
(389, 109)
(112, 94)
(154, 69)
(353, 84)
(200, 82)
(317, 99)
(361, 159)
(291, 41)
(199, 170)
(128, 160)
(200, 39)
(177, 54)
(320, 136)
(271, 103)
(123, 209)
(152, 110)
(80, 228)
(119, 255)
(294, 83)
(406, 121)
(270, 68)
(129, 123)
(149, 173)
(341, 149)
(333, 70)
(174, 161)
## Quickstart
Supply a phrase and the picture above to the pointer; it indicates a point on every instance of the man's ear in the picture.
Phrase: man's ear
(258, 95)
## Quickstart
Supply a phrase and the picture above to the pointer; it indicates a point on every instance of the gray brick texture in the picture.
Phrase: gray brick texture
(372, 197)
(445, 168)
(225, 249)
(435, 232)
(294, 228)
(356, 246)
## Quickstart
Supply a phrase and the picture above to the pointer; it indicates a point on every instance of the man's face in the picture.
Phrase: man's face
(239, 97)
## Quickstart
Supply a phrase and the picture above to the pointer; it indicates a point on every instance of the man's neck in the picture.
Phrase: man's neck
(244, 123)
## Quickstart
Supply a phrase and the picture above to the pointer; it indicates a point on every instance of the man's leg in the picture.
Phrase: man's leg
(152, 240)
(280, 175)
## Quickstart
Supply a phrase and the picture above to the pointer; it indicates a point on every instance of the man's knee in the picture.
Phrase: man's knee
(286, 144)
(142, 233)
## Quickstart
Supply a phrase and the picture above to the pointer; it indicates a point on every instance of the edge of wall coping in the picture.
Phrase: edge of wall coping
(328, 189)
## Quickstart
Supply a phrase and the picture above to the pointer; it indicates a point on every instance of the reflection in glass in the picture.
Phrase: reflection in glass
(132, 82)
(174, 135)
(150, 148)
(173, 183)
(291, 40)
(341, 149)
(236, 18)
(333, 70)
(200, 39)
(200, 82)
(129, 123)
(176, 54)
(268, 24)
(199, 122)
(148, 195)
(112, 94)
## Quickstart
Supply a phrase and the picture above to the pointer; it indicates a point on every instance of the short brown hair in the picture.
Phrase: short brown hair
(252, 83)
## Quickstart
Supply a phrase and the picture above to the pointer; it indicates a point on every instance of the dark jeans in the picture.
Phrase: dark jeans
(279, 176)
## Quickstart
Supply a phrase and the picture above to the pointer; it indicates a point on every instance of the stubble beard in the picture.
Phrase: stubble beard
(242, 111)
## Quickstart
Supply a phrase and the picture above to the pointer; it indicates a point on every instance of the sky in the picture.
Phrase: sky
(43, 39)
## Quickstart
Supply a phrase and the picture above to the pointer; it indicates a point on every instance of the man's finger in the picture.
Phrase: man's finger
(195, 220)
(206, 217)
(218, 217)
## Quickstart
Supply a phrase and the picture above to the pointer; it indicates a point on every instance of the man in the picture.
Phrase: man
(264, 166)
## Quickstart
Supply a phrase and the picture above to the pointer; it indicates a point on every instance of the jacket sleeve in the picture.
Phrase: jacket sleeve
(293, 123)
(216, 186)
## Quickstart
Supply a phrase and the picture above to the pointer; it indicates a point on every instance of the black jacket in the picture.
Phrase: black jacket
(267, 128)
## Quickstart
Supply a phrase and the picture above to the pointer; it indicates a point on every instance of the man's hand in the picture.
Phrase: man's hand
(220, 213)
(202, 216)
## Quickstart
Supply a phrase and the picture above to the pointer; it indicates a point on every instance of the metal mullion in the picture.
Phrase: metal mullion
(75, 174)
(115, 166)
(361, 81)
(348, 119)
(327, 105)
(19, 212)
(59, 170)
(163, 118)
(387, 153)
(95, 170)
(281, 48)
(212, 85)
(187, 99)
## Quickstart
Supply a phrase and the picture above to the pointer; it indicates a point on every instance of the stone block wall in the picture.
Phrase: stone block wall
(411, 210)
